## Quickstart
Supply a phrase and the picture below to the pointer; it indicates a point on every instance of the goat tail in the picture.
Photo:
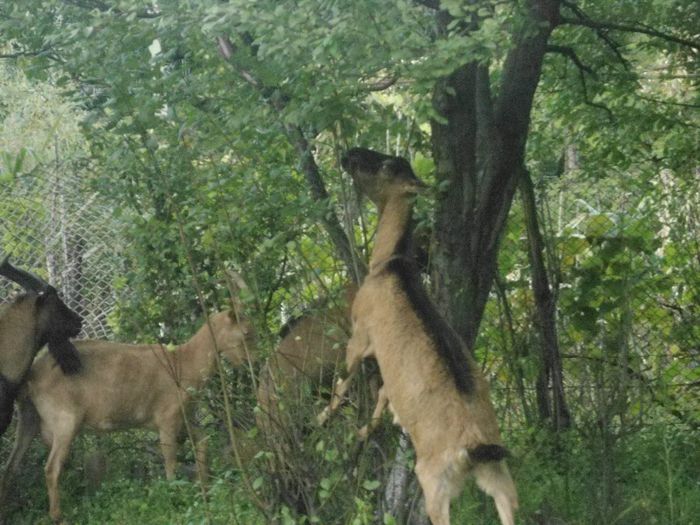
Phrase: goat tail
(487, 453)
(66, 355)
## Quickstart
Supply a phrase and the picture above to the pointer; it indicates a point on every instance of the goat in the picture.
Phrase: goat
(308, 353)
(123, 386)
(431, 382)
(34, 319)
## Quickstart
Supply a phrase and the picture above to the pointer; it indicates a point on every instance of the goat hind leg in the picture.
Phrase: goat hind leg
(200, 454)
(168, 446)
(435, 491)
(27, 428)
(494, 479)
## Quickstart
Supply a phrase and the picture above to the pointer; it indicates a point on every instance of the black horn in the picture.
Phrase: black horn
(26, 280)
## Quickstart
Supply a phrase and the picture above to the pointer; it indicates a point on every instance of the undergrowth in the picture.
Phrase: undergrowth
(656, 481)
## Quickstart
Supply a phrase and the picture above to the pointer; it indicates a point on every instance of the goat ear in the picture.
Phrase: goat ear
(399, 168)
(391, 166)
(236, 285)
(416, 186)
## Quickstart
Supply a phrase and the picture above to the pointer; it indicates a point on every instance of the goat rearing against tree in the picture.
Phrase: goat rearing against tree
(34, 319)
(431, 382)
(123, 386)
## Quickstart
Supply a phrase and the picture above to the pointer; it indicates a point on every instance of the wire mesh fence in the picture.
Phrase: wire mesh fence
(622, 258)
(624, 273)
(51, 223)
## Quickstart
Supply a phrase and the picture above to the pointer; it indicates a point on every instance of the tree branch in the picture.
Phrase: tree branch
(104, 7)
(630, 28)
(382, 84)
(45, 52)
(570, 53)
(227, 50)
(308, 166)
(582, 69)
(601, 32)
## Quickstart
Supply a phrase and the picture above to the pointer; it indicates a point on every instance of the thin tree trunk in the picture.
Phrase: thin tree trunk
(519, 350)
(397, 482)
(551, 377)
(341, 242)
(478, 146)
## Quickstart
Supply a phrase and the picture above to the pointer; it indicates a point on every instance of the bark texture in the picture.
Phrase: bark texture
(479, 149)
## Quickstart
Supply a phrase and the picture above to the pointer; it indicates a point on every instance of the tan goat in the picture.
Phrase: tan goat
(431, 383)
(123, 386)
(308, 354)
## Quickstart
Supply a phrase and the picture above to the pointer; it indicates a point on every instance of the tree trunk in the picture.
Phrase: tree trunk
(550, 383)
(479, 149)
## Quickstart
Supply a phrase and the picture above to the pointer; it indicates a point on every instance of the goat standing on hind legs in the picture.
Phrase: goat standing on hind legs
(431, 382)
(122, 386)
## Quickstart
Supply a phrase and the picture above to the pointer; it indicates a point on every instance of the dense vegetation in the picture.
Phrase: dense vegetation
(560, 235)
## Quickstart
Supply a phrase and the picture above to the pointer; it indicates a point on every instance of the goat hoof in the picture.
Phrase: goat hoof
(322, 417)
(363, 433)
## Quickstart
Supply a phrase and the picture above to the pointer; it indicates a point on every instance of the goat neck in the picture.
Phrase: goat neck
(197, 357)
(393, 231)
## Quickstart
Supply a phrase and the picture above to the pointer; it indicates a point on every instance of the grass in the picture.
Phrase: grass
(655, 480)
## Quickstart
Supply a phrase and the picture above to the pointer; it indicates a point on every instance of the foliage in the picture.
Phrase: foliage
(198, 148)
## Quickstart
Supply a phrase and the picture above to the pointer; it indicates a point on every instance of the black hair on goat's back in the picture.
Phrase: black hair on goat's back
(66, 355)
(446, 341)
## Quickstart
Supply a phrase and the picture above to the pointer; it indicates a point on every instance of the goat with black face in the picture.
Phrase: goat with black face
(33, 320)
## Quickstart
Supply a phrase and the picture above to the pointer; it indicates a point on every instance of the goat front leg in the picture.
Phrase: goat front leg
(436, 490)
(337, 395)
(168, 446)
(382, 401)
(200, 454)
(358, 348)
(60, 446)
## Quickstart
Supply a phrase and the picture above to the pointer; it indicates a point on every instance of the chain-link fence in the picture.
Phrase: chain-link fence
(54, 225)
(621, 256)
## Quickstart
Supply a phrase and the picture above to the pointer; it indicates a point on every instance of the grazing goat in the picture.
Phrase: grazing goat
(309, 353)
(31, 321)
(123, 386)
(431, 383)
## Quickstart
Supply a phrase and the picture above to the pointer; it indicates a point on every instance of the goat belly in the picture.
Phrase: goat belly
(105, 425)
